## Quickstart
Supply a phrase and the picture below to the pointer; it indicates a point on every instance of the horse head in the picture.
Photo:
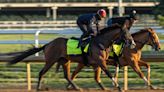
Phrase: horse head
(147, 36)
(153, 39)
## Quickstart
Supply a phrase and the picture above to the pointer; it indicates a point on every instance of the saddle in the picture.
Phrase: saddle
(84, 46)
(84, 42)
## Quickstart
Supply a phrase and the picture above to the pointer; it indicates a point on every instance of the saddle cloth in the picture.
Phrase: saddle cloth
(72, 49)
(117, 49)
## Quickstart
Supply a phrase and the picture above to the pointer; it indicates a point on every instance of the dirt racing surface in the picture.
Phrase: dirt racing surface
(83, 90)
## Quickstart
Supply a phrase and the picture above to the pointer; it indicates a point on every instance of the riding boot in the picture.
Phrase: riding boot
(116, 59)
(80, 43)
(81, 40)
(84, 55)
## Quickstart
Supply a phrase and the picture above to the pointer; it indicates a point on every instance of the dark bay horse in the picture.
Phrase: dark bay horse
(56, 51)
(131, 57)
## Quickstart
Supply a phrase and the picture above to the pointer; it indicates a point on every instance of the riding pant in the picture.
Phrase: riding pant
(86, 29)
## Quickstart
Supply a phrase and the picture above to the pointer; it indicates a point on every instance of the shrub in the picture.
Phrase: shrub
(161, 20)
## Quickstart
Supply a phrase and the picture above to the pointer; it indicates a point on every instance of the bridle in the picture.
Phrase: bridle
(147, 39)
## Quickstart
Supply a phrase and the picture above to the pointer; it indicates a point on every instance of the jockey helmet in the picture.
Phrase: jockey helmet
(101, 13)
(134, 15)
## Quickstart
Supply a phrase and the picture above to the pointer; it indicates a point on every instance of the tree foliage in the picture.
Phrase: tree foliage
(160, 8)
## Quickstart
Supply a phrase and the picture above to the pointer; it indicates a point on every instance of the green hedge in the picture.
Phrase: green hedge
(161, 20)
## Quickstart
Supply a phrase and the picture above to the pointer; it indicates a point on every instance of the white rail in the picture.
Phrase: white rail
(61, 24)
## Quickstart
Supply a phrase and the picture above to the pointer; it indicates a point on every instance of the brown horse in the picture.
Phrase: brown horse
(56, 51)
(131, 57)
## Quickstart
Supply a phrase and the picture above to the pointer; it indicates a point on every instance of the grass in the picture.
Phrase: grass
(17, 74)
(161, 20)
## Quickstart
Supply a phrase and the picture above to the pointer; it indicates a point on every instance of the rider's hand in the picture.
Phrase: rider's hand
(92, 34)
(131, 44)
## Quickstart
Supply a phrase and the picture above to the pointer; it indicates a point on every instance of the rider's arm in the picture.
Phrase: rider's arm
(98, 27)
(92, 26)
(125, 27)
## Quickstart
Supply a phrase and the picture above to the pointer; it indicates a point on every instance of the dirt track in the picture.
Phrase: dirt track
(84, 90)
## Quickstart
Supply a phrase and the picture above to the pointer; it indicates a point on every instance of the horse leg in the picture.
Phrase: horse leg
(116, 73)
(142, 63)
(66, 69)
(46, 67)
(137, 69)
(77, 70)
(97, 71)
(102, 64)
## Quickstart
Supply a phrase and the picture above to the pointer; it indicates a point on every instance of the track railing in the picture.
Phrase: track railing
(50, 1)
(62, 24)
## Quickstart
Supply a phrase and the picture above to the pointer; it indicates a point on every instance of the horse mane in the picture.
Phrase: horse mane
(143, 31)
(109, 28)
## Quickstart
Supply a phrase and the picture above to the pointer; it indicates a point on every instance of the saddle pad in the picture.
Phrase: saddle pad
(116, 49)
(72, 47)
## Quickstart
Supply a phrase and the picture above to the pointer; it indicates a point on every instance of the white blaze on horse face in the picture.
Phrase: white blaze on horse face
(155, 39)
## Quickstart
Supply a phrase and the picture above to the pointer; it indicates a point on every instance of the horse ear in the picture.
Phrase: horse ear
(151, 30)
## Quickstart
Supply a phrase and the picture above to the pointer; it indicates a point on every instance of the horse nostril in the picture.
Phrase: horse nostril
(157, 49)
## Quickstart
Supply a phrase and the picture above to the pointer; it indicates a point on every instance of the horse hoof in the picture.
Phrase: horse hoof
(101, 86)
(43, 89)
(77, 89)
(68, 86)
(38, 90)
(151, 87)
(80, 89)
(115, 88)
(47, 89)
(119, 89)
(104, 89)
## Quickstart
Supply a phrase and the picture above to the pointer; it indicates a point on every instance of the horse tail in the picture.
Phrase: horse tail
(25, 54)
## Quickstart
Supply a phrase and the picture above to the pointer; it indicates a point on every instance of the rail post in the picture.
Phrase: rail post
(54, 12)
(116, 73)
(110, 12)
(126, 78)
(37, 40)
(28, 77)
